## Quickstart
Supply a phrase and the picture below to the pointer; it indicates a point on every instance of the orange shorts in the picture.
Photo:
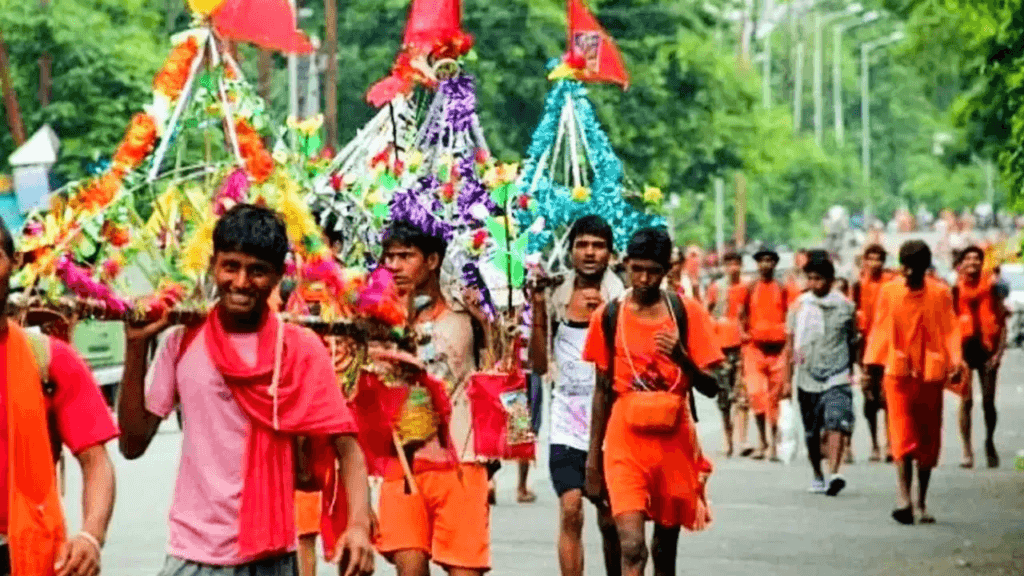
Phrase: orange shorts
(448, 519)
(765, 376)
(307, 513)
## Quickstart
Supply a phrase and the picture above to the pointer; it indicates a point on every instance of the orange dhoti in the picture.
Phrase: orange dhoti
(662, 475)
(765, 376)
(307, 513)
(914, 414)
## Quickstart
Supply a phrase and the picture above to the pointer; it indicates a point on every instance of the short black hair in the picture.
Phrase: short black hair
(822, 266)
(651, 244)
(971, 249)
(6, 239)
(916, 255)
(732, 257)
(591, 225)
(252, 230)
(876, 249)
(408, 234)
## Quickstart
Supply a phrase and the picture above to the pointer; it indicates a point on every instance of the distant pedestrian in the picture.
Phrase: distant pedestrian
(865, 298)
(764, 359)
(917, 341)
(982, 315)
(823, 339)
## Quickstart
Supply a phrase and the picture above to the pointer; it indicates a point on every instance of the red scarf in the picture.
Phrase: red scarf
(35, 520)
(293, 405)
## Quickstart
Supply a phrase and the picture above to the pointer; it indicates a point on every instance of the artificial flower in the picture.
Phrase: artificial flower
(137, 143)
(652, 195)
(171, 79)
(581, 194)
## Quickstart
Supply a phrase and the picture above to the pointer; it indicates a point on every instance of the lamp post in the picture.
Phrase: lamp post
(865, 113)
(837, 73)
(820, 20)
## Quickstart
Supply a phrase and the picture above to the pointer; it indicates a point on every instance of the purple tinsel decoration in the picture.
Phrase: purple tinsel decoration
(409, 206)
(473, 191)
(459, 95)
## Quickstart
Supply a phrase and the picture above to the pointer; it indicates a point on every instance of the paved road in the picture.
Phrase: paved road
(765, 521)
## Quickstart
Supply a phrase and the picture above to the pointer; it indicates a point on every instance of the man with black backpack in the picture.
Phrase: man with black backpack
(651, 350)
(48, 399)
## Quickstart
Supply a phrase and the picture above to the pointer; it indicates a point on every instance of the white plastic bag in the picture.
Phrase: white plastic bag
(789, 441)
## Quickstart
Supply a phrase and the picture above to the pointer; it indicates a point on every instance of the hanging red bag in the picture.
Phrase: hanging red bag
(501, 416)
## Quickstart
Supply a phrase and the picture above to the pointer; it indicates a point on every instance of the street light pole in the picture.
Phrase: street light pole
(837, 73)
(818, 130)
(819, 57)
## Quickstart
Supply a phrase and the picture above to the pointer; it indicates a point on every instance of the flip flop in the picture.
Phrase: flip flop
(745, 452)
(927, 518)
(904, 516)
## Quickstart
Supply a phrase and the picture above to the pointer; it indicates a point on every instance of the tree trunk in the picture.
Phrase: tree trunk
(14, 121)
(45, 68)
(264, 74)
(331, 79)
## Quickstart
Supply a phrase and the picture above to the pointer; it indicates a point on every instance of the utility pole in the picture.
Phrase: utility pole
(331, 80)
(819, 130)
(798, 88)
(740, 179)
(837, 83)
(14, 121)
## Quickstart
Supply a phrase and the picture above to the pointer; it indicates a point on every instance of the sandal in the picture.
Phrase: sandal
(904, 516)
(526, 497)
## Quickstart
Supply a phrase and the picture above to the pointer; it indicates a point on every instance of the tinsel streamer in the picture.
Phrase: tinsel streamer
(473, 192)
(80, 282)
(459, 97)
(408, 206)
(554, 200)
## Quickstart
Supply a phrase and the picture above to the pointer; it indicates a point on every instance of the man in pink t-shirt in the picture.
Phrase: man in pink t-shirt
(76, 415)
(246, 384)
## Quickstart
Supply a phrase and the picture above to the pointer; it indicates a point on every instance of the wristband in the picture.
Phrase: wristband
(91, 540)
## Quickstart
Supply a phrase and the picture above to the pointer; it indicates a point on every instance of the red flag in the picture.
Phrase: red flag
(265, 23)
(592, 47)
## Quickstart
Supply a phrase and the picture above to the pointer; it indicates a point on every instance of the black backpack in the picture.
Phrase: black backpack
(700, 381)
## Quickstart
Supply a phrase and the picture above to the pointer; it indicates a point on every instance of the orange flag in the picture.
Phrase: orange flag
(592, 47)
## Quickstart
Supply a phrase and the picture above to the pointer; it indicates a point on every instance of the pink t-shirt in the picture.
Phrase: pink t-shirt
(82, 416)
(204, 517)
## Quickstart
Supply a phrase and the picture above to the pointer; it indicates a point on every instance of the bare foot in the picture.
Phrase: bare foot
(968, 461)
(876, 456)
(525, 496)
(925, 517)
(757, 454)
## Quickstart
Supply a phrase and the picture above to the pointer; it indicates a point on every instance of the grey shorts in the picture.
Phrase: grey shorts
(286, 565)
(828, 411)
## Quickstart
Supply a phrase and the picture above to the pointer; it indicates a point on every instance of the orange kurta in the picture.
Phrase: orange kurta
(867, 298)
(726, 310)
(977, 311)
(663, 475)
(764, 361)
(917, 340)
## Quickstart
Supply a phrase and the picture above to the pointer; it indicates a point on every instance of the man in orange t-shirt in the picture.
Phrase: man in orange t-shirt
(916, 339)
(645, 458)
(865, 295)
(765, 364)
(982, 318)
(725, 301)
